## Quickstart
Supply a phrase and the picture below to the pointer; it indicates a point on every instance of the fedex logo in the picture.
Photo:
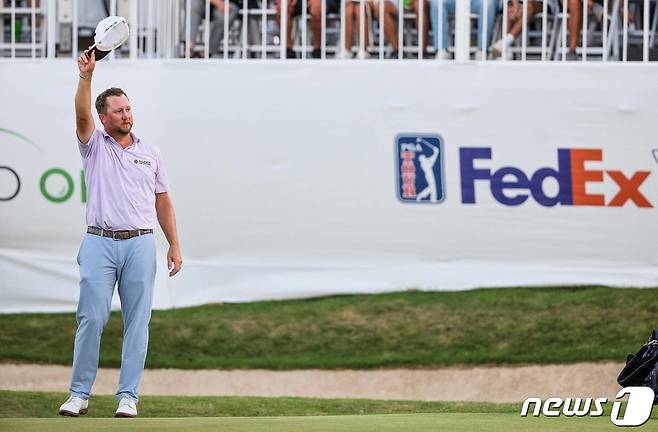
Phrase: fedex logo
(512, 187)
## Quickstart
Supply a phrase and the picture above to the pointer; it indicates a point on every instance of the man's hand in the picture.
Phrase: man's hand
(86, 64)
(174, 260)
(165, 211)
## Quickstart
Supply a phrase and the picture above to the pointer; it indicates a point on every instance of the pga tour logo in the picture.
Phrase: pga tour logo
(638, 408)
(420, 168)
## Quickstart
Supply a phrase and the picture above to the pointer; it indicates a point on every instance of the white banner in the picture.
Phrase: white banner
(305, 179)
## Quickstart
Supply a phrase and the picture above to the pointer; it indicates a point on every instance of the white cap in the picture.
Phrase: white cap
(110, 34)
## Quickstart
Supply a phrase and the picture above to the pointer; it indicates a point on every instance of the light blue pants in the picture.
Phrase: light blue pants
(477, 7)
(104, 262)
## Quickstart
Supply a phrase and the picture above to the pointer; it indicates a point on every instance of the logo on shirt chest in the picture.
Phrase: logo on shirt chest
(142, 162)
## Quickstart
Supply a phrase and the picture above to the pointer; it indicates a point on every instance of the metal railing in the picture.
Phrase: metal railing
(462, 30)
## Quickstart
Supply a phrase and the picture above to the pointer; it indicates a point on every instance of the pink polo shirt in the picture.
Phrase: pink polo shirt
(122, 183)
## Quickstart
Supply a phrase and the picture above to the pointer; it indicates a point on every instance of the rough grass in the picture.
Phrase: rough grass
(408, 329)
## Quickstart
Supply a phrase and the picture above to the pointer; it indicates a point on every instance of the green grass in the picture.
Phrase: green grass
(45, 404)
(36, 411)
(409, 329)
(371, 423)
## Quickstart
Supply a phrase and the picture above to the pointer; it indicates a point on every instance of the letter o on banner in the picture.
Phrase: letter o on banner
(69, 185)
(18, 184)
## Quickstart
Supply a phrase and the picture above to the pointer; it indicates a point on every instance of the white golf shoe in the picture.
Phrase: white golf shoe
(344, 54)
(74, 407)
(443, 54)
(497, 50)
(127, 408)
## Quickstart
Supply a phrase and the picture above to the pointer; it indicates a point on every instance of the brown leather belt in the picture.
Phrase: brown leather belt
(118, 235)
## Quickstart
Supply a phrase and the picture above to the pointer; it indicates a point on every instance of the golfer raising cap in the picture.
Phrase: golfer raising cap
(127, 191)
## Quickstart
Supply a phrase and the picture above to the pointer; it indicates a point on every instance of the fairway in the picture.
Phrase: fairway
(381, 423)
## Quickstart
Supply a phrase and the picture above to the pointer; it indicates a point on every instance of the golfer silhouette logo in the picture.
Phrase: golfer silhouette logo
(420, 173)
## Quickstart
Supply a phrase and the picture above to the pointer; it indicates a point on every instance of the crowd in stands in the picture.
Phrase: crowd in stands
(347, 29)
(434, 33)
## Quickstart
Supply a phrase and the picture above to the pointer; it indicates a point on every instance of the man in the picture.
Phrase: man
(127, 190)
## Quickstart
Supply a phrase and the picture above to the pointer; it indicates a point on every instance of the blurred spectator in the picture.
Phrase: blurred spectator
(198, 13)
(477, 7)
(390, 23)
(426, 19)
(91, 12)
(352, 19)
(514, 26)
(576, 22)
(315, 13)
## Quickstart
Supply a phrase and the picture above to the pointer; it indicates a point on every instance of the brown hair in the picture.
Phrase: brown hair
(101, 100)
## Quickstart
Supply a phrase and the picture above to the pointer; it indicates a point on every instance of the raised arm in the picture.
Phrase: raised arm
(84, 122)
(435, 152)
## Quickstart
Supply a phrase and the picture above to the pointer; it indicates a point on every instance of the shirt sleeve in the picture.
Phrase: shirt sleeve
(87, 149)
(161, 179)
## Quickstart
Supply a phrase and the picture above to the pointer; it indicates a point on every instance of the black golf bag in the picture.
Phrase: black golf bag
(642, 368)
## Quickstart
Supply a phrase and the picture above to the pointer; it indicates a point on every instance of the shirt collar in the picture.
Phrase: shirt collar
(133, 136)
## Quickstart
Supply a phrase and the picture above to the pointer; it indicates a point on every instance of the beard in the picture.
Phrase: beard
(124, 128)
